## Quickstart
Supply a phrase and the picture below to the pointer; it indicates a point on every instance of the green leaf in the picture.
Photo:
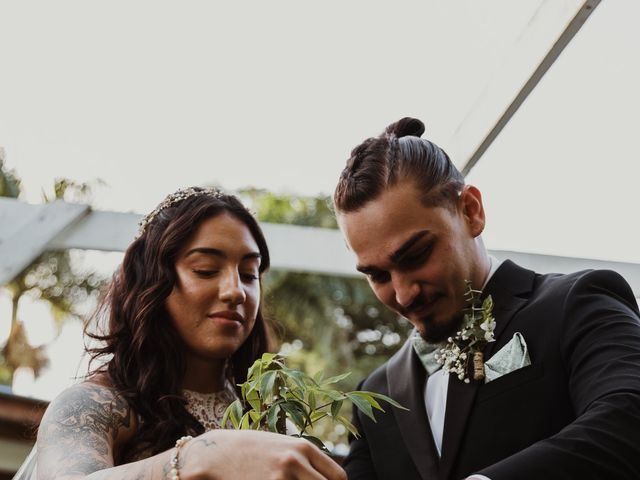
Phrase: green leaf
(348, 425)
(266, 384)
(243, 389)
(335, 379)
(334, 394)
(234, 413)
(318, 376)
(272, 418)
(316, 441)
(389, 400)
(335, 408)
(298, 377)
(244, 423)
(487, 305)
(295, 413)
(311, 400)
(369, 398)
(253, 399)
(225, 417)
(276, 365)
(252, 385)
(267, 358)
(257, 365)
(317, 415)
(255, 416)
(362, 404)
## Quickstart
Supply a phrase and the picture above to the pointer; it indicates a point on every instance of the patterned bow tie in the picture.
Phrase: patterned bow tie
(427, 353)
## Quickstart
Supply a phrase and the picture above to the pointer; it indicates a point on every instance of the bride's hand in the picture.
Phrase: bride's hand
(249, 454)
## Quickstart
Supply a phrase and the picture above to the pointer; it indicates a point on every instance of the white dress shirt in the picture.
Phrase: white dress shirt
(437, 386)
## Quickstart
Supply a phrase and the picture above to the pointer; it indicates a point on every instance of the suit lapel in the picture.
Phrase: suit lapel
(507, 282)
(408, 390)
(509, 288)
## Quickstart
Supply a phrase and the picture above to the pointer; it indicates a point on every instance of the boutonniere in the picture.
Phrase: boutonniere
(467, 344)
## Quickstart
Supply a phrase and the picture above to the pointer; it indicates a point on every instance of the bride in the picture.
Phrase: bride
(183, 324)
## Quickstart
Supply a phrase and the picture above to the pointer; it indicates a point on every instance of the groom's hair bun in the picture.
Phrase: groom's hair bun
(396, 155)
(406, 127)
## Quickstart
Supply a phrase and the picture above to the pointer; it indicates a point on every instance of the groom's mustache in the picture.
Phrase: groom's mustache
(418, 303)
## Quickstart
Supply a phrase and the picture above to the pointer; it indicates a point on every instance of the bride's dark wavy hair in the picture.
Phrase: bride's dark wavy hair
(144, 351)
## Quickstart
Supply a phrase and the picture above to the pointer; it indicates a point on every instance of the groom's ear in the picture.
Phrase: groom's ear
(472, 209)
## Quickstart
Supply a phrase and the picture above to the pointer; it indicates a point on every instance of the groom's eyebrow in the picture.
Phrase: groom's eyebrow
(366, 269)
(396, 256)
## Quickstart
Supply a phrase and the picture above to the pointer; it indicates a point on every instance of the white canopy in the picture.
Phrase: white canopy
(539, 96)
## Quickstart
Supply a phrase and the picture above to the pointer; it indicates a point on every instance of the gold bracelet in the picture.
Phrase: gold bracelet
(175, 471)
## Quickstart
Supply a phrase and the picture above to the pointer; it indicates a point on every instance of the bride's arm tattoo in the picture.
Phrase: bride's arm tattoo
(205, 442)
(78, 431)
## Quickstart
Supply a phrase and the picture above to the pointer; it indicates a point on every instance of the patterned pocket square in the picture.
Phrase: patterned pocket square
(513, 356)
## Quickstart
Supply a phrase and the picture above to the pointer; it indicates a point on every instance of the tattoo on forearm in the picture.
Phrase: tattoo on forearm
(79, 429)
(166, 469)
(205, 442)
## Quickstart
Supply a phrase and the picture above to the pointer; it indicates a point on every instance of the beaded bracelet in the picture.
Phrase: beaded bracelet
(175, 472)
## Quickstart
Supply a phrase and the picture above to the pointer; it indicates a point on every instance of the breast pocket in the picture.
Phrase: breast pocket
(516, 379)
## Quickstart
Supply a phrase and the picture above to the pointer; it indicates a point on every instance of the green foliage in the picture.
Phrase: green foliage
(289, 209)
(9, 180)
(337, 318)
(6, 374)
(478, 318)
(275, 394)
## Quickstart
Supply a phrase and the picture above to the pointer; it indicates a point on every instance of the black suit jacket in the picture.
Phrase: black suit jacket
(573, 414)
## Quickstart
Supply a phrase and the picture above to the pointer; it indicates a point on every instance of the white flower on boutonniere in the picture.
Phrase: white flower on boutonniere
(477, 330)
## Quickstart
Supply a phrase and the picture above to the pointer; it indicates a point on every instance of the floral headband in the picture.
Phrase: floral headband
(177, 197)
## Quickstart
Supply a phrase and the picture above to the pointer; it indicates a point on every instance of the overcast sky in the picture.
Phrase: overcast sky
(152, 96)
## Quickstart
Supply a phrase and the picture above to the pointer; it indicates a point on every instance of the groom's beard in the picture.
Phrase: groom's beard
(430, 330)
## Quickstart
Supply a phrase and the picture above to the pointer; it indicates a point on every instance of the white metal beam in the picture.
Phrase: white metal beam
(25, 231)
(308, 249)
(292, 247)
(105, 231)
(512, 84)
(305, 249)
(552, 263)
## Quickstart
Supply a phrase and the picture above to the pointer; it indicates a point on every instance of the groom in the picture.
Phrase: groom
(571, 412)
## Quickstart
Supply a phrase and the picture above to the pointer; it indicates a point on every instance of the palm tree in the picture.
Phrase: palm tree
(52, 277)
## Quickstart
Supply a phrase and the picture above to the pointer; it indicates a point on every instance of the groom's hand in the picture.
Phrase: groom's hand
(249, 454)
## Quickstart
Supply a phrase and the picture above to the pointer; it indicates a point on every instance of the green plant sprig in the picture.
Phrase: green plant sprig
(274, 393)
